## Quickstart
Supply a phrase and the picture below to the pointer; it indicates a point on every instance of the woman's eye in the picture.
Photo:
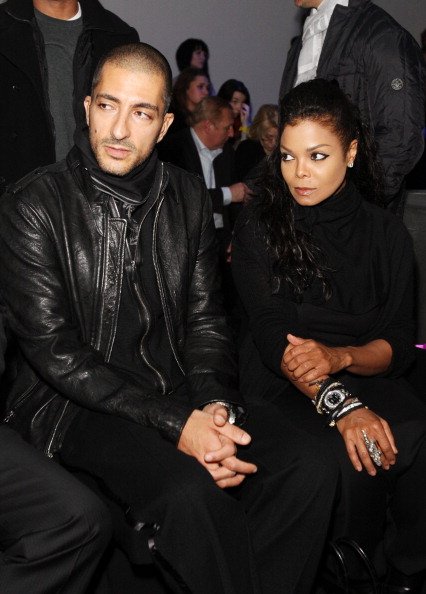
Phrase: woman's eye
(318, 156)
(286, 157)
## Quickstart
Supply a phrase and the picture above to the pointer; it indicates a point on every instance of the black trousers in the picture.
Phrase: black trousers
(53, 530)
(385, 514)
(265, 536)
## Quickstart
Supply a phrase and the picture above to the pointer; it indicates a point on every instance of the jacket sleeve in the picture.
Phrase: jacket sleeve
(42, 310)
(394, 72)
(210, 362)
(216, 196)
(397, 322)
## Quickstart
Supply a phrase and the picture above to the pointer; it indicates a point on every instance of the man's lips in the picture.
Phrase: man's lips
(118, 152)
(304, 191)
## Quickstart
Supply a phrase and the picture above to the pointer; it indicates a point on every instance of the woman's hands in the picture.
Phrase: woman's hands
(351, 428)
(245, 114)
(308, 360)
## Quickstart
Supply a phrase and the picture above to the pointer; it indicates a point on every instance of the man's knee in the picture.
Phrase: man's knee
(88, 518)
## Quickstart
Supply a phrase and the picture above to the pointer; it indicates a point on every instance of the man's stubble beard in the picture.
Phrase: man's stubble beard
(104, 163)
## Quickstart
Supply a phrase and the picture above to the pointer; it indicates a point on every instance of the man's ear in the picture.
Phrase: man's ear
(207, 125)
(167, 122)
(87, 103)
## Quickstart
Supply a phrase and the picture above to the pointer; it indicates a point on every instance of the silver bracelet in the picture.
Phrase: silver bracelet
(347, 407)
(232, 416)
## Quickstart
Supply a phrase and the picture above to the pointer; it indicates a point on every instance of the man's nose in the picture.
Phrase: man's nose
(120, 127)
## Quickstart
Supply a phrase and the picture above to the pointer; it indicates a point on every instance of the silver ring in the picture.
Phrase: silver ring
(372, 448)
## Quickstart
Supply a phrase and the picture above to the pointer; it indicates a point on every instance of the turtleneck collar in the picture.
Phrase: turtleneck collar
(131, 189)
(338, 209)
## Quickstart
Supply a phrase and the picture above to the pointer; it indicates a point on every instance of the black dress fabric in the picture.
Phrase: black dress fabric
(368, 256)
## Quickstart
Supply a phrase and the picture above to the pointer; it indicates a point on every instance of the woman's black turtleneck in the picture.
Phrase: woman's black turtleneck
(369, 262)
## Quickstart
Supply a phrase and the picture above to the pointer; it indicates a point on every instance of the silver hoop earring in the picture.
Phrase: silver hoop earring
(351, 164)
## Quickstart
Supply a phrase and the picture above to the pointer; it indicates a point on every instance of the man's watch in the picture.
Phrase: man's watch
(232, 416)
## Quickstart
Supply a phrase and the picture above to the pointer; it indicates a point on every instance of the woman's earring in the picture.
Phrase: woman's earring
(351, 164)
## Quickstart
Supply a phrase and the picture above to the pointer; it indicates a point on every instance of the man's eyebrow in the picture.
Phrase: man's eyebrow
(142, 104)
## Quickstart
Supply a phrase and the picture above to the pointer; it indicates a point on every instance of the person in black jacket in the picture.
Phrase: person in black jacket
(48, 53)
(53, 530)
(325, 274)
(378, 65)
(109, 278)
(203, 149)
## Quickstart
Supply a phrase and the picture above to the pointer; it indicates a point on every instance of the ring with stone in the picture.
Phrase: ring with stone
(372, 448)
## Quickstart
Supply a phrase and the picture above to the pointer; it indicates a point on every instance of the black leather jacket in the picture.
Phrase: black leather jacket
(61, 269)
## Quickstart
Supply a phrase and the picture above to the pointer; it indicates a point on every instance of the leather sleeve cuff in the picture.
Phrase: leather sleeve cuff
(172, 420)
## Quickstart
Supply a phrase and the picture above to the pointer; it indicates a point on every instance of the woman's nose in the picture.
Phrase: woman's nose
(302, 169)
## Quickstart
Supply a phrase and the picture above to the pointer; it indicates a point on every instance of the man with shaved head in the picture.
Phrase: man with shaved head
(109, 281)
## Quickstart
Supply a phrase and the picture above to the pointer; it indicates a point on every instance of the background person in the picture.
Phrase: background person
(193, 53)
(48, 52)
(238, 97)
(379, 65)
(203, 149)
(261, 142)
(326, 279)
(190, 87)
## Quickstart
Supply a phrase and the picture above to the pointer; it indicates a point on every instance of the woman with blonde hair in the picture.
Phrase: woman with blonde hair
(262, 140)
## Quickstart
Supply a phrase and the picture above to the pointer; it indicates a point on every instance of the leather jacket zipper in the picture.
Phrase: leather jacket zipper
(147, 317)
(161, 288)
(135, 287)
(163, 384)
(26, 394)
(48, 449)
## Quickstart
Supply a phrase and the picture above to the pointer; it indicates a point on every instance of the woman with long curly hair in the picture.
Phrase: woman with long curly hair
(326, 276)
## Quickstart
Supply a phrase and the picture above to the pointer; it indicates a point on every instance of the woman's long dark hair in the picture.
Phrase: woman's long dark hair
(296, 258)
(186, 49)
(229, 87)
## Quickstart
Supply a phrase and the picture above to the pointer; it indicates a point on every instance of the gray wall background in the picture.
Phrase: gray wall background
(248, 39)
